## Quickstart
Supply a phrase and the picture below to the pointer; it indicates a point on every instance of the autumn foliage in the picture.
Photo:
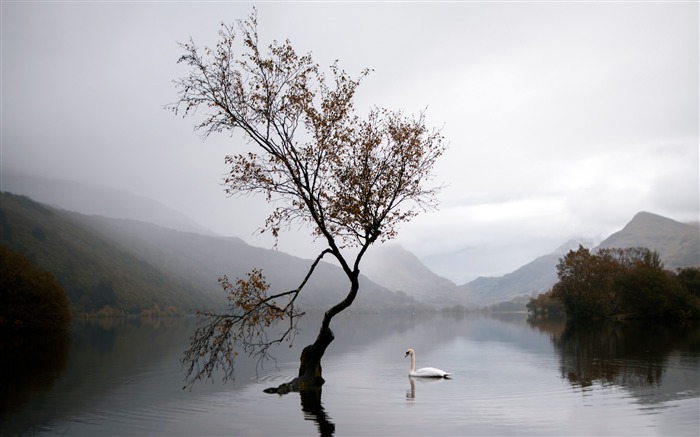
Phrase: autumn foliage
(352, 179)
(30, 297)
(621, 283)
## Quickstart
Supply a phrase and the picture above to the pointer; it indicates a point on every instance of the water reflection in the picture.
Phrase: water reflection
(624, 354)
(40, 383)
(411, 392)
(29, 364)
(313, 410)
(513, 377)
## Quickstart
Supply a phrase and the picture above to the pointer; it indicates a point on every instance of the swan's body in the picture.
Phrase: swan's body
(425, 372)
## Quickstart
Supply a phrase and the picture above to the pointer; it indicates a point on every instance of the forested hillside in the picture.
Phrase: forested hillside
(95, 273)
(132, 265)
(203, 259)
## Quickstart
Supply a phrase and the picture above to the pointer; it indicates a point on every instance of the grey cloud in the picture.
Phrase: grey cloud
(563, 119)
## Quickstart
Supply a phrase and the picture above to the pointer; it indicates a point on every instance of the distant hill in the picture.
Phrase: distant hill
(535, 276)
(94, 271)
(97, 200)
(204, 259)
(678, 243)
(396, 268)
(467, 263)
(149, 264)
(114, 230)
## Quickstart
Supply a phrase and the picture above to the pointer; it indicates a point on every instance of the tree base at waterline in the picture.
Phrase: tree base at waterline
(309, 368)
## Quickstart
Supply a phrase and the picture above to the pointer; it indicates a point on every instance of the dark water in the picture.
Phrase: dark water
(511, 377)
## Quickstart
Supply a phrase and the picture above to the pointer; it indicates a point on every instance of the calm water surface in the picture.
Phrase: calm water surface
(511, 377)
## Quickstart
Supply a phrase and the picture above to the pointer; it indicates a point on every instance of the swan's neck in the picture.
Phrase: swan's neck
(413, 363)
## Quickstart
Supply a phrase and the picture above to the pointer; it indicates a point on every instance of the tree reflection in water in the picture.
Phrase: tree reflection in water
(629, 354)
(313, 409)
(29, 364)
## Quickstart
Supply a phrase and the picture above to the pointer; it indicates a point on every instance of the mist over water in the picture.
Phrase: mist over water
(510, 377)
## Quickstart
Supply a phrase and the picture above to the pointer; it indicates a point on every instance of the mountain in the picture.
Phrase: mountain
(97, 200)
(147, 264)
(396, 268)
(535, 276)
(94, 271)
(205, 258)
(181, 251)
(468, 263)
(678, 243)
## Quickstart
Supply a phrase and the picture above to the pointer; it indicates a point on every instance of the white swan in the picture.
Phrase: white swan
(425, 372)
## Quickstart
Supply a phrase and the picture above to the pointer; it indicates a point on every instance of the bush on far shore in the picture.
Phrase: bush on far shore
(30, 298)
(620, 283)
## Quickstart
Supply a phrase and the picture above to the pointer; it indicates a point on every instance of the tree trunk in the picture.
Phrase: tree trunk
(310, 372)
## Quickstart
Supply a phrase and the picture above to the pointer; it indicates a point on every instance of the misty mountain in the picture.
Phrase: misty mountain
(534, 277)
(179, 249)
(97, 200)
(93, 271)
(147, 263)
(678, 243)
(468, 263)
(396, 268)
(204, 259)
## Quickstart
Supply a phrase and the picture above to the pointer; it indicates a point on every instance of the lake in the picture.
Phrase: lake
(511, 377)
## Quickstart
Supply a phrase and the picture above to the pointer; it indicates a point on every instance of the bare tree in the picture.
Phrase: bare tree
(351, 179)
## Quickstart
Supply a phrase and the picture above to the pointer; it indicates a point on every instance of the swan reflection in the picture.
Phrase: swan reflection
(411, 392)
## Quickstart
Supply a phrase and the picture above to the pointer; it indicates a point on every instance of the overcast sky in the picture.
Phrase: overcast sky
(563, 119)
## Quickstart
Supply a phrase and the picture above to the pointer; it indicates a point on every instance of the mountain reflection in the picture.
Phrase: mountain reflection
(626, 354)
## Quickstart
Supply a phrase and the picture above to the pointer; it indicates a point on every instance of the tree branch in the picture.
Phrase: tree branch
(252, 314)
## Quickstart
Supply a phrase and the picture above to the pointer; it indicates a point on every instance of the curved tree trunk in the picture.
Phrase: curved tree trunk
(310, 372)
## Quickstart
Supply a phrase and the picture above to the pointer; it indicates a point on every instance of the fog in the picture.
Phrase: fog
(563, 119)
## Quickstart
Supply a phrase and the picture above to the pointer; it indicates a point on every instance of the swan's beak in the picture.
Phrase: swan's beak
(405, 355)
